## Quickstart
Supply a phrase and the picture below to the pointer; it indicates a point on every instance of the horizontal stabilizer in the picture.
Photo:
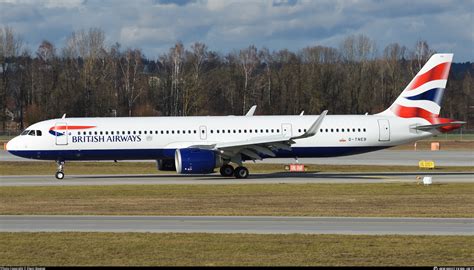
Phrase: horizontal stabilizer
(441, 125)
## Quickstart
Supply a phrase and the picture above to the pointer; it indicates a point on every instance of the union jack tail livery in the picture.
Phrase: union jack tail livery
(423, 95)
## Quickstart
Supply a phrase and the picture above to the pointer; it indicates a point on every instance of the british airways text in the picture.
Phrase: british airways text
(111, 138)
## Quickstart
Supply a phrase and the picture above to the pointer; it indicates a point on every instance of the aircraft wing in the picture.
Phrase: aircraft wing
(255, 147)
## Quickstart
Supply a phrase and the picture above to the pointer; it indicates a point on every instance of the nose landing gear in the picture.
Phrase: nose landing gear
(60, 173)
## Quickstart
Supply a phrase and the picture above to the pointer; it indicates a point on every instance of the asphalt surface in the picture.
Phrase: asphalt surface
(240, 224)
(382, 157)
(215, 179)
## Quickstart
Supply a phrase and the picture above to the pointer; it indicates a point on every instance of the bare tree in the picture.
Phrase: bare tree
(10, 47)
(248, 61)
(130, 65)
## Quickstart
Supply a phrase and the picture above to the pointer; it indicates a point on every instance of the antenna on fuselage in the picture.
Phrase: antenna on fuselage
(302, 112)
(64, 116)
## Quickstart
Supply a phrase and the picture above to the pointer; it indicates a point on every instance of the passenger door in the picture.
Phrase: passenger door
(384, 130)
(61, 133)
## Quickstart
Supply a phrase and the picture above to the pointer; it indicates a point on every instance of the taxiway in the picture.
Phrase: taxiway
(240, 224)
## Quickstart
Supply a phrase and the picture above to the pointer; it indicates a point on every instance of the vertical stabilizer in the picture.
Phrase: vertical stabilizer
(422, 96)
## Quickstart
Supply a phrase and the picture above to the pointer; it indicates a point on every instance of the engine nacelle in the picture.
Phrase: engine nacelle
(196, 161)
(165, 164)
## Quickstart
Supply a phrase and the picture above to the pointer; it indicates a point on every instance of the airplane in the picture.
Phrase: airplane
(200, 144)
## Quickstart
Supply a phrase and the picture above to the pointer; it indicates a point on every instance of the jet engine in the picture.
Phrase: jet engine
(196, 161)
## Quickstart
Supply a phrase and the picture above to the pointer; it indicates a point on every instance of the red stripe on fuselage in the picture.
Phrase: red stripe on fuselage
(70, 127)
(439, 72)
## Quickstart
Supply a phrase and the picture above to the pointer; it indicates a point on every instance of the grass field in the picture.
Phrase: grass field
(49, 168)
(144, 249)
(371, 200)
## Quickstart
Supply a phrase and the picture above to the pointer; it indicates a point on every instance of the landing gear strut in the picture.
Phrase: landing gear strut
(60, 173)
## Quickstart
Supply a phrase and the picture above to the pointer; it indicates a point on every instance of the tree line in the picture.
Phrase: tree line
(87, 77)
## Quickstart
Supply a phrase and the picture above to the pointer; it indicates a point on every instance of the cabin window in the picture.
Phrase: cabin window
(240, 131)
(217, 130)
(278, 131)
(332, 130)
(250, 131)
(177, 131)
(337, 130)
(358, 129)
(364, 129)
(272, 130)
(256, 131)
(266, 130)
(299, 130)
(172, 132)
(304, 130)
(245, 131)
(212, 131)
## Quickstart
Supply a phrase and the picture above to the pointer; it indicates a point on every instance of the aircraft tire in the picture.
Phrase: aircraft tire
(59, 175)
(227, 170)
(241, 172)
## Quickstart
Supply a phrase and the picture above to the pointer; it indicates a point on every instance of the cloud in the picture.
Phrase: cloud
(224, 25)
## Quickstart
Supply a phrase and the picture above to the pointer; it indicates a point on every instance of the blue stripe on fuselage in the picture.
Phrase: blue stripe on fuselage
(137, 154)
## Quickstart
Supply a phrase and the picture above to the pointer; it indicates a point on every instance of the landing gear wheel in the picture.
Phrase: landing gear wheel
(59, 175)
(227, 170)
(241, 172)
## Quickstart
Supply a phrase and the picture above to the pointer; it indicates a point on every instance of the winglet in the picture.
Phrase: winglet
(314, 127)
(251, 111)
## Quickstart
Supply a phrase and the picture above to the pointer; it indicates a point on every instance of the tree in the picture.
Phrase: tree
(248, 62)
(131, 65)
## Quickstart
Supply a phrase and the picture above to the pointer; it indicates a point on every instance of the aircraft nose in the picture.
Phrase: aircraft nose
(12, 145)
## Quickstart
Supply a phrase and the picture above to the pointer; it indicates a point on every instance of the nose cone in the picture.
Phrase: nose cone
(12, 145)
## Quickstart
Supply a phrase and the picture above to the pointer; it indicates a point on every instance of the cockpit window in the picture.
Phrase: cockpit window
(31, 133)
(25, 132)
(38, 133)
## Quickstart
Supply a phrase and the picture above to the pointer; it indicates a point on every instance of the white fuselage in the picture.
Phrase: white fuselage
(158, 137)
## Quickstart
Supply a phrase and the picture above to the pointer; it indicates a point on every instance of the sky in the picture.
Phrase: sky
(226, 25)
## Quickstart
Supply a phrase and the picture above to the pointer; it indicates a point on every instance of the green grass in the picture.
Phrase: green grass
(49, 168)
(199, 249)
(373, 200)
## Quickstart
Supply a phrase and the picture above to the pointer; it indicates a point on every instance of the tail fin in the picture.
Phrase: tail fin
(422, 96)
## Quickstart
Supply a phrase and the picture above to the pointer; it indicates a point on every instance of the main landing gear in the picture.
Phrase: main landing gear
(239, 172)
(60, 173)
